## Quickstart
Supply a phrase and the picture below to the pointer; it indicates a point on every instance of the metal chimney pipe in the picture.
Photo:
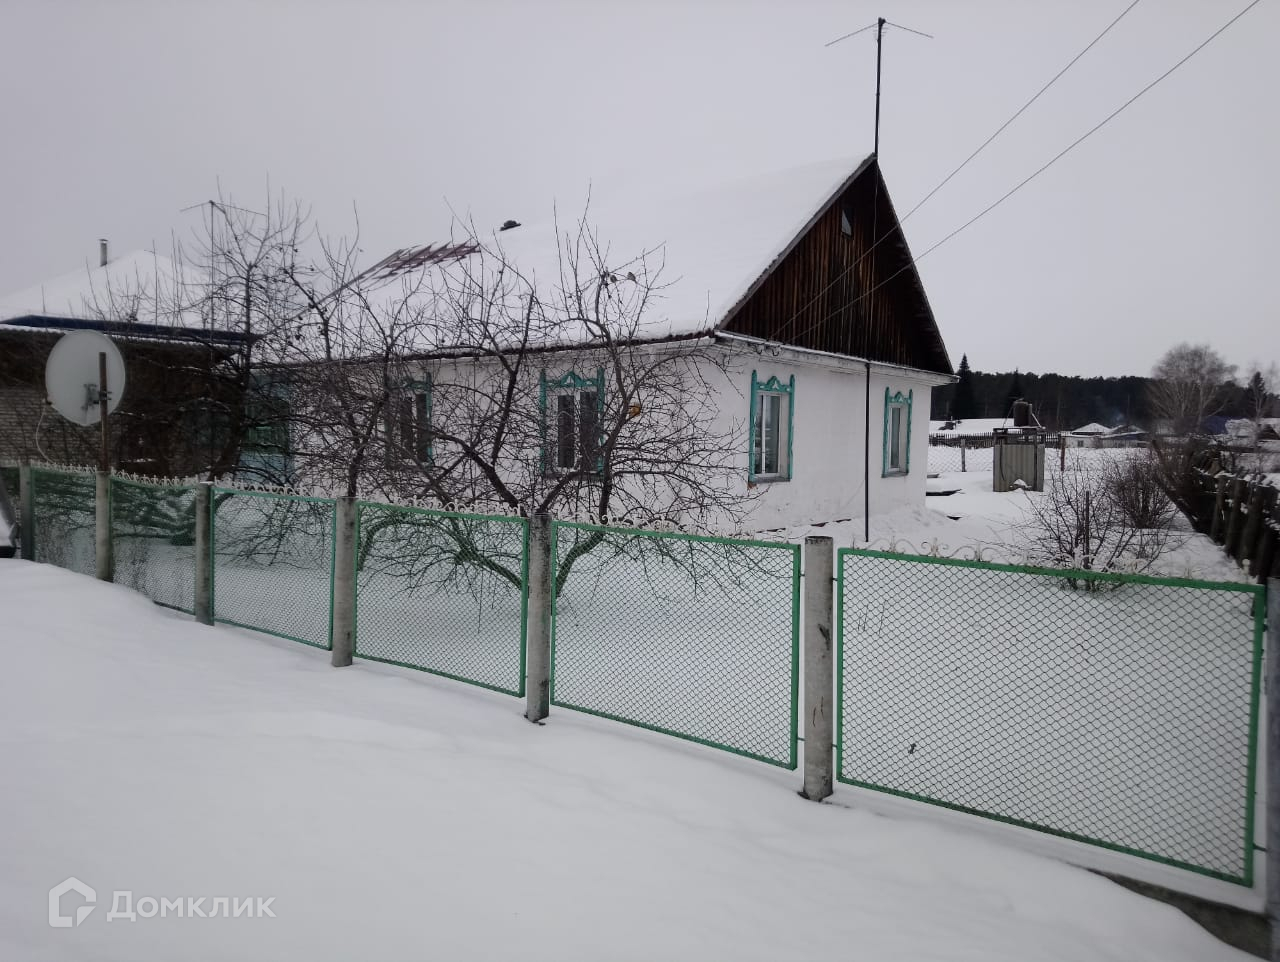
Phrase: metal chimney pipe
(102, 252)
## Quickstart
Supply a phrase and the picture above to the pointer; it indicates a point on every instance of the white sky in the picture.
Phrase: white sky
(1160, 228)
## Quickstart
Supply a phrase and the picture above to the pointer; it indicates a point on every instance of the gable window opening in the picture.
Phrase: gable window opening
(571, 408)
(409, 425)
(771, 422)
(897, 433)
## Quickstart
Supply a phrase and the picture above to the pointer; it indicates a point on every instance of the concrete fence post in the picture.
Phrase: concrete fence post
(26, 513)
(1271, 761)
(963, 466)
(343, 641)
(819, 692)
(540, 588)
(203, 606)
(102, 527)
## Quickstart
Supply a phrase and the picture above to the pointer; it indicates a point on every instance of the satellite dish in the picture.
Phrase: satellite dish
(71, 376)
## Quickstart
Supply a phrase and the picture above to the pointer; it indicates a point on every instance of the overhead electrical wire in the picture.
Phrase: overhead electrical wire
(1062, 153)
(983, 146)
(1001, 129)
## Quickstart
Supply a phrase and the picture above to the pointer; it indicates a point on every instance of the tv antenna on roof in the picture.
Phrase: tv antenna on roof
(84, 379)
(879, 26)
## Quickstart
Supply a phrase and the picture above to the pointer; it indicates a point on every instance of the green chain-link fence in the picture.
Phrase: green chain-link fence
(65, 505)
(273, 564)
(153, 533)
(443, 593)
(1115, 710)
(692, 636)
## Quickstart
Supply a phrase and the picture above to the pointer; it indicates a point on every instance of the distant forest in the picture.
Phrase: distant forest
(1060, 402)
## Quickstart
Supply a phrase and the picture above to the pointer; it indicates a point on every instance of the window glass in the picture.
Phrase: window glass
(566, 453)
(895, 437)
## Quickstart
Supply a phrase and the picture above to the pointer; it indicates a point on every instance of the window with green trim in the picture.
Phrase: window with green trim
(572, 412)
(408, 423)
(770, 428)
(897, 433)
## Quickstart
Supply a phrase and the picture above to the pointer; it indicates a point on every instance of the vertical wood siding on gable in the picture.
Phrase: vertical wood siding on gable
(813, 298)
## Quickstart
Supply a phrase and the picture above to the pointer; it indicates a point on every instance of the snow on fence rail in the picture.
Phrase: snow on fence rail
(1116, 710)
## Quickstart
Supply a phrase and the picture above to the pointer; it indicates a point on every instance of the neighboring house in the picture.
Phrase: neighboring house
(800, 294)
(1095, 435)
(161, 426)
(1250, 431)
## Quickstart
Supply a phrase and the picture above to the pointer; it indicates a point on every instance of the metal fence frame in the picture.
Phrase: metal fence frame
(519, 691)
(791, 763)
(31, 527)
(152, 485)
(213, 567)
(1258, 593)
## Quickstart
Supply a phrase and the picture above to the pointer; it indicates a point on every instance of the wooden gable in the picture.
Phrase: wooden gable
(835, 289)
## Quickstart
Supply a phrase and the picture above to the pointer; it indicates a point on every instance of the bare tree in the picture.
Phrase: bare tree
(1116, 518)
(1187, 386)
(459, 374)
(217, 312)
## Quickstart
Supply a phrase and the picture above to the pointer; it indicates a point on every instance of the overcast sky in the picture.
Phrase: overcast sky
(1161, 227)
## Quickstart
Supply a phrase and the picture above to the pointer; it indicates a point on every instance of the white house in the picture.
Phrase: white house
(795, 298)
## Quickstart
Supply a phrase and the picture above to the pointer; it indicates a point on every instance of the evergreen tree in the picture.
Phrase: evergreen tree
(965, 404)
(1255, 396)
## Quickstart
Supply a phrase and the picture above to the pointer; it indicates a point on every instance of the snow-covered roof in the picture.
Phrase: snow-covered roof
(702, 250)
(1092, 429)
(138, 287)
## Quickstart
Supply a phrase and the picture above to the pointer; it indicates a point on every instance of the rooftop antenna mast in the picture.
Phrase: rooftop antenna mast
(879, 26)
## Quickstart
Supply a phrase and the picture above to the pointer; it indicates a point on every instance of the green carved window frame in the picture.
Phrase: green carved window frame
(896, 453)
(571, 411)
(410, 438)
(769, 430)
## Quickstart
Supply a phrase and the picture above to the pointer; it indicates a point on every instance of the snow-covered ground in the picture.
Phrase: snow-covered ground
(393, 815)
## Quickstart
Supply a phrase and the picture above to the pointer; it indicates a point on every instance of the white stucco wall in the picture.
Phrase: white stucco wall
(828, 424)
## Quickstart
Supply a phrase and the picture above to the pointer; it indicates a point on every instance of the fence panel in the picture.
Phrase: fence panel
(153, 534)
(443, 593)
(1116, 710)
(65, 509)
(273, 564)
(692, 636)
(949, 453)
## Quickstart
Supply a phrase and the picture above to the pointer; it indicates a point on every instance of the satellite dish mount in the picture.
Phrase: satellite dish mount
(85, 378)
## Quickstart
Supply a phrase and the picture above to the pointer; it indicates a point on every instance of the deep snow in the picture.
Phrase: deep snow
(394, 815)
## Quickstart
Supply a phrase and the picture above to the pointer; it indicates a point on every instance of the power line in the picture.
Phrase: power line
(983, 146)
(1066, 150)
(1089, 133)
(1038, 94)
